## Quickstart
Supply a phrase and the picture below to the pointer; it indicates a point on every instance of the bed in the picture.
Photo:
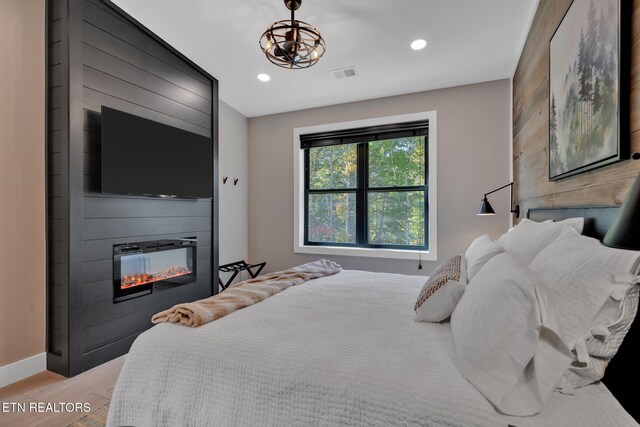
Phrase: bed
(339, 350)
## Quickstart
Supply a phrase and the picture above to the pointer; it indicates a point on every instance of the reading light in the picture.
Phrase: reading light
(486, 209)
(264, 77)
(418, 44)
(625, 231)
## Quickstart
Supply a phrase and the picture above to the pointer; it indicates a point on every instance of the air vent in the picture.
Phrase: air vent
(344, 73)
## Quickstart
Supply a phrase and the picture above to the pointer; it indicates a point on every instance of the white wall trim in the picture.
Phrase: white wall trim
(298, 189)
(22, 369)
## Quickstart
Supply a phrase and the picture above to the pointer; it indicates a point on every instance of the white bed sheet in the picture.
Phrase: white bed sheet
(340, 350)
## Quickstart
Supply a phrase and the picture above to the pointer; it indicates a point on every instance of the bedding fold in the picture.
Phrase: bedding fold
(244, 294)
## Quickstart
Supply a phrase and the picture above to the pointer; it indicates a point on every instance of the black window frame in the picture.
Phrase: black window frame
(361, 137)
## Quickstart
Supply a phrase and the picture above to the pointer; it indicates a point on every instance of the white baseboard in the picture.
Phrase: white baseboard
(22, 369)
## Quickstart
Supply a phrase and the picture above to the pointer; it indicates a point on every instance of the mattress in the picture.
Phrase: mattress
(340, 350)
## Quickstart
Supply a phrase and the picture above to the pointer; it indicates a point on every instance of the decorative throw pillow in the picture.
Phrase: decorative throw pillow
(440, 295)
(528, 238)
(479, 253)
(504, 338)
(596, 300)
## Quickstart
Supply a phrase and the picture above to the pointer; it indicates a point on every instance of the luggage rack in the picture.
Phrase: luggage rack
(236, 268)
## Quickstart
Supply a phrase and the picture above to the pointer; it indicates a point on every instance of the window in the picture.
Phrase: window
(367, 187)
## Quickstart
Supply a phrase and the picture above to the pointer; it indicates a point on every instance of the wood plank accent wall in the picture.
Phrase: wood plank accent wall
(98, 55)
(604, 186)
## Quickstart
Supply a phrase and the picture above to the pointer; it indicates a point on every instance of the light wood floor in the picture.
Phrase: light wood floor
(94, 387)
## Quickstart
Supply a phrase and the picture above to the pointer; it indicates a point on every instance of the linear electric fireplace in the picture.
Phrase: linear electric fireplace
(137, 267)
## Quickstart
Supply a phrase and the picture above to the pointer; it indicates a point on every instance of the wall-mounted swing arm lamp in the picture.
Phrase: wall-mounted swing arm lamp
(486, 208)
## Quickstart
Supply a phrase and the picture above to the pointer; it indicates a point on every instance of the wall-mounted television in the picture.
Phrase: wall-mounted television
(144, 157)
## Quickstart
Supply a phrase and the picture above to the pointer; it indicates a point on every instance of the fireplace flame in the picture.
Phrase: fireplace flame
(144, 278)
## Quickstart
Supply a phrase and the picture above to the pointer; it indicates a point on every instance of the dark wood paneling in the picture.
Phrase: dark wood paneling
(55, 98)
(54, 142)
(54, 31)
(97, 292)
(102, 207)
(109, 228)
(56, 296)
(105, 333)
(96, 250)
(55, 10)
(106, 58)
(131, 35)
(108, 43)
(104, 354)
(532, 189)
(55, 119)
(55, 165)
(94, 100)
(104, 83)
(105, 310)
(107, 63)
(58, 273)
(55, 54)
(55, 75)
(57, 179)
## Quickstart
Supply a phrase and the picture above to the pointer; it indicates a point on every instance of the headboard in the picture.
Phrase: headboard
(622, 375)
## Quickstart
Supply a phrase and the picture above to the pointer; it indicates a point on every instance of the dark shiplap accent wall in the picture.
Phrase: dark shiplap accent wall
(605, 186)
(57, 183)
(111, 60)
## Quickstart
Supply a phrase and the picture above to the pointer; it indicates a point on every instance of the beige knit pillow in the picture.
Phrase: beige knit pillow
(444, 288)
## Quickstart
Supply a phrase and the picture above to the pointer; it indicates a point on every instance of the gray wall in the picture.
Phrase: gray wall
(473, 158)
(234, 218)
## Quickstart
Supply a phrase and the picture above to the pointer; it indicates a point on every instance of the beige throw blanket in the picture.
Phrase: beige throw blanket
(244, 294)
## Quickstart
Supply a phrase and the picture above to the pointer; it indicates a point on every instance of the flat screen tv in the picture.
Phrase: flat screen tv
(144, 157)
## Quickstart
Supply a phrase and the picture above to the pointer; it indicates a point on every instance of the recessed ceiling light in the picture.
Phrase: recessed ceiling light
(264, 77)
(418, 44)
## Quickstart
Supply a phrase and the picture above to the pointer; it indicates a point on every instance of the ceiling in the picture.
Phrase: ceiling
(470, 41)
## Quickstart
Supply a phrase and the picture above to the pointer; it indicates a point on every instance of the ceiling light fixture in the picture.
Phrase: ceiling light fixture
(292, 44)
(264, 77)
(418, 44)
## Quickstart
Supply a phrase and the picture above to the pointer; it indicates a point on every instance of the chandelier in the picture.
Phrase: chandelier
(292, 44)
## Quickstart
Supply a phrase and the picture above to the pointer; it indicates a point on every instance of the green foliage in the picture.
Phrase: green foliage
(333, 167)
(394, 218)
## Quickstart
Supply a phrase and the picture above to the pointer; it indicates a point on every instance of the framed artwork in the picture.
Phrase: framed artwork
(588, 88)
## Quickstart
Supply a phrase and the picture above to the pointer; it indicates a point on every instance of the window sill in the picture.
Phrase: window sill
(366, 252)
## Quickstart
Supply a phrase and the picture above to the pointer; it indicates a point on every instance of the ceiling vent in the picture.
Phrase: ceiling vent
(343, 73)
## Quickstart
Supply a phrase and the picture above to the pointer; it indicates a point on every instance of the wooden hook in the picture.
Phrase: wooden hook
(224, 180)
(235, 181)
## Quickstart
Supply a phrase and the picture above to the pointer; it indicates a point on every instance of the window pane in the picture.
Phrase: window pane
(396, 218)
(397, 162)
(332, 217)
(333, 167)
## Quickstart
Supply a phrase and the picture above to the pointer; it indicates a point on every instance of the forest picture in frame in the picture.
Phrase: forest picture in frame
(588, 89)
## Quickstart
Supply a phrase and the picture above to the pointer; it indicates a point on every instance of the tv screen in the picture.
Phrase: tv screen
(143, 157)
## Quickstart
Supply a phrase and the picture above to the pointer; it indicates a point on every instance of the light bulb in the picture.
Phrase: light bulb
(418, 44)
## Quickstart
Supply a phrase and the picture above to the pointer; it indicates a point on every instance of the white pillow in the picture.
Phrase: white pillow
(604, 345)
(479, 253)
(528, 238)
(501, 338)
(591, 282)
(441, 293)
(577, 223)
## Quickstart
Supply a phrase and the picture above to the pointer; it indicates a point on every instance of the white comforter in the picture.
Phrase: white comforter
(340, 350)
